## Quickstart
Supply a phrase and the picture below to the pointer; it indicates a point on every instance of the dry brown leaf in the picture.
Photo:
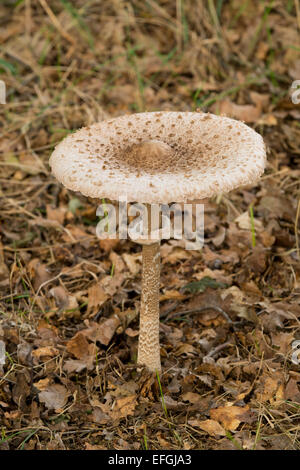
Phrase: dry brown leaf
(124, 407)
(185, 348)
(244, 222)
(4, 273)
(268, 120)
(111, 284)
(132, 333)
(226, 256)
(42, 384)
(219, 238)
(97, 297)
(44, 352)
(212, 427)
(230, 416)
(177, 254)
(117, 262)
(133, 262)
(292, 391)
(63, 299)
(109, 244)
(262, 50)
(24, 353)
(257, 260)
(78, 346)
(245, 112)
(267, 239)
(99, 417)
(276, 207)
(191, 397)
(283, 341)
(76, 365)
(57, 214)
(72, 232)
(93, 447)
(261, 100)
(104, 331)
(38, 272)
(54, 396)
(171, 294)
(170, 403)
(12, 415)
(271, 389)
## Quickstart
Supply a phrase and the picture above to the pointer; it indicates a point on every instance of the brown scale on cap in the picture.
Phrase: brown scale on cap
(150, 155)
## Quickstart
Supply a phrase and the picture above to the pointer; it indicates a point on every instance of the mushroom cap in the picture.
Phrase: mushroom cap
(160, 157)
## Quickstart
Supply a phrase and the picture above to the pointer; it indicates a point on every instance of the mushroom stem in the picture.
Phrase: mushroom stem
(148, 349)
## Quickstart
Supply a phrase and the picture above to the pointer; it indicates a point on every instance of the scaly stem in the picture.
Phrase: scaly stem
(148, 349)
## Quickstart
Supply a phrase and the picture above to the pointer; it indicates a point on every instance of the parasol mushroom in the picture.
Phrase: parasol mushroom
(158, 157)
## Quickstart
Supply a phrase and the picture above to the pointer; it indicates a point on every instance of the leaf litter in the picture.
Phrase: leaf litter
(69, 303)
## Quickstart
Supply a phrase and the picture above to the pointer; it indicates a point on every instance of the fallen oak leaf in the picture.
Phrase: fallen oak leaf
(46, 351)
(271, 389)
(230, 416)
(56, 214)
(84, 352)
(132, 262)
(212, 427)
(77, 365)
(191, 397)
(22, 388)
(292, 391)
(171, 294)
(132, 333)
(38, 273)
(245, 112)
(111, 284)
(127, 389)
(4, 273)
(118, 264)
(42, 384)
(109, 244)
(78, 346)
(283, 341)
(177, 254)
(72, 233)
(104, 331)
(124, 407)
(24, 350)
(170, 403)
(245, 223)
(63, 299)
(185, 348)
(99, 417)
(96, 297)
(54, 397)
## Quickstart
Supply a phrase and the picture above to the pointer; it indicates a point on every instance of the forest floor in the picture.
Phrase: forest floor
(69, 303)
